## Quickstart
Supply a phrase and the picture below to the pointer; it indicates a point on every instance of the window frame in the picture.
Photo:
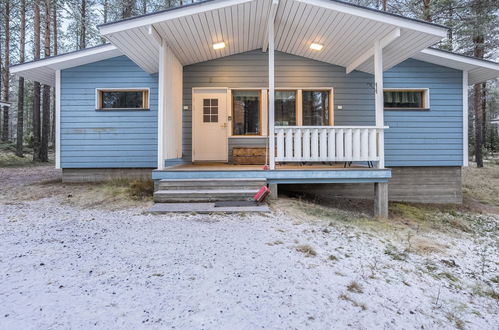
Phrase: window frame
(425, 99)
(145, 98)
(297, 102)
(329, 90)
(260, 124)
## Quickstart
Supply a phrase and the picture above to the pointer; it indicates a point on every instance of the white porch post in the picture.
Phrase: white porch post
(161, 107)
(271, 96)
(465, 119)
(378, 97)
(58, 119)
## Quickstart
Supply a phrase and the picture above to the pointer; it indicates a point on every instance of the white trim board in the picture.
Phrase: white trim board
(465, 120)
(58, 119)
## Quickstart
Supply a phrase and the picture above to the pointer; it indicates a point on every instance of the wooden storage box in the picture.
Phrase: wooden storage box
(249, 156)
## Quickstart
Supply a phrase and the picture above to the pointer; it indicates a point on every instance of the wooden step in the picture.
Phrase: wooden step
(206, 195)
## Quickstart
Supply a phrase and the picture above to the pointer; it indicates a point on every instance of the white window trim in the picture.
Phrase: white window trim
(426, 99)
(103, 89)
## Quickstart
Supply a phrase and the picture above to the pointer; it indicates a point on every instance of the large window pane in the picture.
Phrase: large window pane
(246, 112)
(122, 99)
(285, 108)
(404, 99)
(315, 108)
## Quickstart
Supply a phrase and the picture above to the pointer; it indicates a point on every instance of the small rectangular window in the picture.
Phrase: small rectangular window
(108, 99)
(405, 98)
(246, 112)
(285, 108)
(315, 105)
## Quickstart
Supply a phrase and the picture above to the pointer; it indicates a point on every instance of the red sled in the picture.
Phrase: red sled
(262, 193)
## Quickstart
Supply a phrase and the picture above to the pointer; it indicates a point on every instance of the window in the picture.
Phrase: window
(285, 108)
(315, 108)
(210, 110)
(406, 98)
(108, 99)
(246, 112)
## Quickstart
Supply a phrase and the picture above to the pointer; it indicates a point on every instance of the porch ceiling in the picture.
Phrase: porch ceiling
(347, 32)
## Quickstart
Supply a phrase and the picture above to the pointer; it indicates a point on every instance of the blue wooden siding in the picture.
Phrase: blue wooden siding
(426, 138)
(113, 139)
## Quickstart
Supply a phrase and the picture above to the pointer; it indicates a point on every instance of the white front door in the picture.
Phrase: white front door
(209, 125)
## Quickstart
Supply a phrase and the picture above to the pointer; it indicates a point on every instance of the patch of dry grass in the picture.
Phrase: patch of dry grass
(355, 287)
(482, 184)
(354, 302)
(307, 250)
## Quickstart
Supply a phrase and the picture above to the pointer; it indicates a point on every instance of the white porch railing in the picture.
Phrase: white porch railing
(329, 143)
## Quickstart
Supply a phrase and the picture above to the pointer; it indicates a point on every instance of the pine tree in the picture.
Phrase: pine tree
(46, 91)
(20, 91)
(36, 85)
(6, 72)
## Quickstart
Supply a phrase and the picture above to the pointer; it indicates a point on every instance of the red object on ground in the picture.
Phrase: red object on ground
(265, 167)
(262, 193)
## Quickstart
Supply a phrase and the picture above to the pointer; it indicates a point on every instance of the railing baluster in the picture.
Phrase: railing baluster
(373, 154)
(348, 144)
(280, 144)
(331, 144)
(289, 145)
(356, 145)
(323, 144)
(306, 145)
(314, 144)
(297, 144)
(364, 144)
(340, 154)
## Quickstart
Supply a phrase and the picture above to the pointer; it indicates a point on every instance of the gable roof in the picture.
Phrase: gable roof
(43, 70)
(348, 32)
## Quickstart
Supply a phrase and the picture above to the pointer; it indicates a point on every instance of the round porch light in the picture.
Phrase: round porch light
(315, 46)
(219, 45)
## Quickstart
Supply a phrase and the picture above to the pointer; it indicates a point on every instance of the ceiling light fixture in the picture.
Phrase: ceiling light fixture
(219, 45)
(315, 46)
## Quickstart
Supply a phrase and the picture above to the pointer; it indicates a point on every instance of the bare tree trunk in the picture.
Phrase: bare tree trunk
(6, 73)
(483, 108)
(44, 148)
(105, 13)
(20, 92)
(36, 86)
(128, 6)
(144, 6)
(83, 24)
(55, 32)
(478, 42)
(384, 4)
(426, 11)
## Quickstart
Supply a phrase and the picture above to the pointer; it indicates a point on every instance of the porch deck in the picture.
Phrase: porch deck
(283, 174)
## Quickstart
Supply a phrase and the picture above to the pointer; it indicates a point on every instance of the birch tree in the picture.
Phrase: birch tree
(20, 90)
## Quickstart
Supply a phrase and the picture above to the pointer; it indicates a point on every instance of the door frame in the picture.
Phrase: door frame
(227, 109)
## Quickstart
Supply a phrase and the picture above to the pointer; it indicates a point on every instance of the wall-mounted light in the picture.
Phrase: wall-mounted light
(219, 45)
(315, 46)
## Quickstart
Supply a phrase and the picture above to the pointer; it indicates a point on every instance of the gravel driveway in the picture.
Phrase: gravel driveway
(67, 267)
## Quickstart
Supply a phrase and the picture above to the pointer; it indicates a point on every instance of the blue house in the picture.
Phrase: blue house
(335, 99)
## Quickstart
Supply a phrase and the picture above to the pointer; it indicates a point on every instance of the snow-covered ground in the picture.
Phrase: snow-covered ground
(64, 266)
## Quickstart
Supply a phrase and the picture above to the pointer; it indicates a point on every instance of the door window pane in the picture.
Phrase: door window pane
(246, 112)
(315, 108)
(210, 110)
(285, 108)
(404, 99)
